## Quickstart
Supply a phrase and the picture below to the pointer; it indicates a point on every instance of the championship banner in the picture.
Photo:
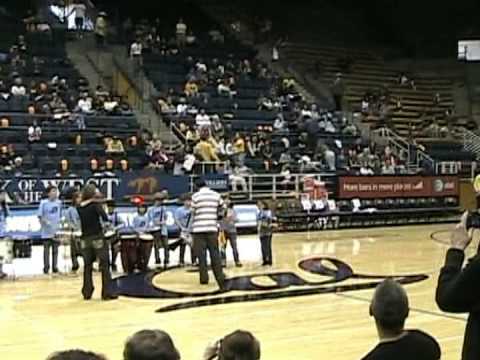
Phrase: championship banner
(375, 187)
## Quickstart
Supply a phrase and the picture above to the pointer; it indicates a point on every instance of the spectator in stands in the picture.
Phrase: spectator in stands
(390, 308)
(150, 345)
(191, 88)
(4, 122)
(18, 88)
(205, 150)
(350, 129)
(267, 156)
(239, 150)
(338, 90)
(202, 120)
(34, 132)
(101, 28)
(63, 168)
(6, 161)
(94, 166)
(388, 167)
(191, 39)
(76, 355)
(136, 52)
(329, 157)
(224, 88)
(235, 346)
(124, 166)
(80, 10)
(115, 146)
(158, 158)
(17, 168)
(181, 32)
(280, 125)
(238, 178)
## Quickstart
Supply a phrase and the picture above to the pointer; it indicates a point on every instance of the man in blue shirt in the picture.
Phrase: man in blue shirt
(183, 219)
(157, 216)
(141, 225)
(49, 214)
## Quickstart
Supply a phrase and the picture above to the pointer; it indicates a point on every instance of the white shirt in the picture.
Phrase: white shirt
(18, 90)
(182, 108)
(202, 120)
(34, 133)
(205, 206)
(85, 105)
(136, 49)
(80, 10)
(181, 29)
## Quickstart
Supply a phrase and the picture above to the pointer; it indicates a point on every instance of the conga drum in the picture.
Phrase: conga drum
(6, 250)
(144, 250)
(22, 247)
(128, 250)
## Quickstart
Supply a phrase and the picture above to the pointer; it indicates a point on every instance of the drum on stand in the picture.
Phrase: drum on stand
(22, 247)
(145, 246)
(6, 250)
(128, 249)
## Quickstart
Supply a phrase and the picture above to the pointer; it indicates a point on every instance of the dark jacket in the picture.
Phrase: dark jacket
(458, 291)
(91, 216)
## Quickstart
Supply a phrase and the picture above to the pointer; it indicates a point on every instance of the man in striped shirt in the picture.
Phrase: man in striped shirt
(205, 208)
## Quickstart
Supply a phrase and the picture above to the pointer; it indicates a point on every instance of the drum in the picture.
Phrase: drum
(155, 229)
(109, 234)
(22, 248)
(145, 237)
(64, 237)
(145, 246)
(129, 250)
(6, 251)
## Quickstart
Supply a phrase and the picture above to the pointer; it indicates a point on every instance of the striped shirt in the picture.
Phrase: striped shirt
(205, 206)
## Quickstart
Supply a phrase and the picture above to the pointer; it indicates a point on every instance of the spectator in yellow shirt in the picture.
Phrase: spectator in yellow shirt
(191, 88)
(206, 151)
(239, 149)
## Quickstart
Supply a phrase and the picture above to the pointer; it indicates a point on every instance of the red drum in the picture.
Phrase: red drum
(129, 251)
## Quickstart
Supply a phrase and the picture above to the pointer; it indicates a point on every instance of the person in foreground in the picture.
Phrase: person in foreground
(239, 345)
(150, 345)
(390, 309)
(93, 245)
(458, 290)
(76, 355)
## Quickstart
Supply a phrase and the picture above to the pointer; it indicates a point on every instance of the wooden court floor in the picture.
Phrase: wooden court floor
(42, 314)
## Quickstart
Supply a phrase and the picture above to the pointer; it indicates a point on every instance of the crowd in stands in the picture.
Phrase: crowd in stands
(232, 111)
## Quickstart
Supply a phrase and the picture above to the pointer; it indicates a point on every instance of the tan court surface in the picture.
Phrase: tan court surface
(43, 314)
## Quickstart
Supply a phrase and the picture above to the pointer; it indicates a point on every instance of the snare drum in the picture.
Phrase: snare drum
(22, 248)
(6, 251)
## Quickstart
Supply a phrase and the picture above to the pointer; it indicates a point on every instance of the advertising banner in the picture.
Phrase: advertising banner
(375, 187)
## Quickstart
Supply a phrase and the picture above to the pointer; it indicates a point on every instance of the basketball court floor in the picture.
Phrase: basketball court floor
(311, 304)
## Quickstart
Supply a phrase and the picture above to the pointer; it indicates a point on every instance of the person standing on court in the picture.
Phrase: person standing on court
(50, 214)
(206, 205)
(265, 232)
(4, 213)
(73, 220)
(229, 228)
(458, 290)
(183, 219)
(92, 243)
(157, 216)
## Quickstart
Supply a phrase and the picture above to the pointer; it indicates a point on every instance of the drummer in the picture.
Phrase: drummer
(157, 216)
(4, 212)
(116, 221)
(73, 220)
(183, 219)
(141, 226)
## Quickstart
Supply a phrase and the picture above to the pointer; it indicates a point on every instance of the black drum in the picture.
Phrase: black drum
(129, 250)
(22, 248)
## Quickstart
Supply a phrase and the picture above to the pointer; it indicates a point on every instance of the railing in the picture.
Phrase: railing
(415, 157)
(471, 142)
(274, 186)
